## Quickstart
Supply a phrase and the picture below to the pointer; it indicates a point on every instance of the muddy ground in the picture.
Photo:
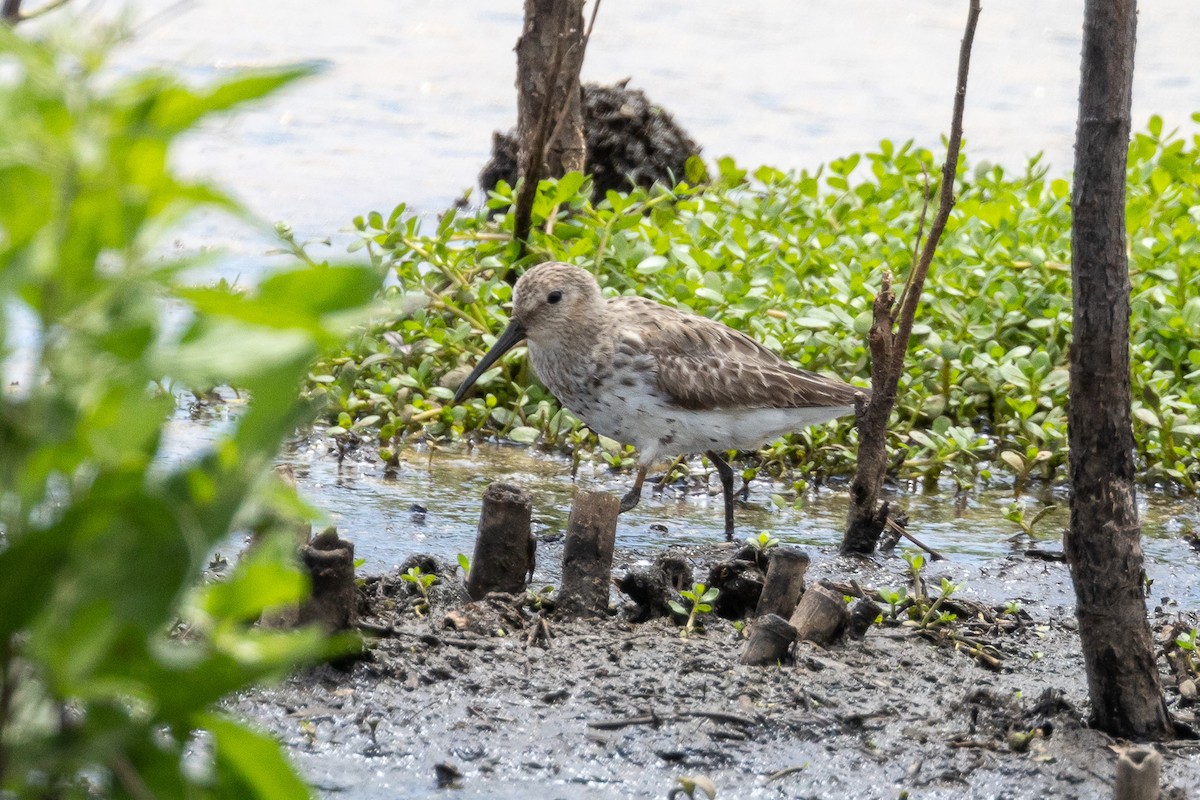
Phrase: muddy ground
(611, 709)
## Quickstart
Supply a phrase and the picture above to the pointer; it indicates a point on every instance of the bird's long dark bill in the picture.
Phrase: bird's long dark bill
(513, 335)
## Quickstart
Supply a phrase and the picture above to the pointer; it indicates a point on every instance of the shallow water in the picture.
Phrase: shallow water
(376, 511)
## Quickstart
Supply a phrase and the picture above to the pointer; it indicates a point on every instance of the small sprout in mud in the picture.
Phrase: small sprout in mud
(925, 615)
(894, 598)
(218, 562)
(1188, 643)
(689, 785)
(422, 582)
(537, 600)
(309, 729)
(1018, 741)
(464, 564)
(1036, 655)
(1016, 513)
(763, 542)
(701, 597)
(1011, 608)
(916, 564)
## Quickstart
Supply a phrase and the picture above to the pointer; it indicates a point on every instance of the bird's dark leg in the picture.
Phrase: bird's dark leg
(634, 495)
(726, 473)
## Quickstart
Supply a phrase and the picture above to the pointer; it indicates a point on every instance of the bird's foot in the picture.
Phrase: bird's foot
(630, 500)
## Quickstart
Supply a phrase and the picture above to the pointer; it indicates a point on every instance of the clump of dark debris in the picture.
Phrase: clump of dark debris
(630, 142)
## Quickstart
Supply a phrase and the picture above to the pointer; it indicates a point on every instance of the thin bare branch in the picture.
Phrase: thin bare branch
(890, 331)
(531, 167)
(566, 106)
(908, 309)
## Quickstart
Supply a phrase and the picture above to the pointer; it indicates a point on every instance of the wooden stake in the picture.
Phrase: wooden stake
(820, 616)
(504, 549)
(334, 600)
(770, 638)
(1137, 774)
(588, 554)
(784, 583)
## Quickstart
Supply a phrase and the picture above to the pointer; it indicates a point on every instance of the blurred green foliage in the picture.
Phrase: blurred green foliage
(112, 653)
(794, 260)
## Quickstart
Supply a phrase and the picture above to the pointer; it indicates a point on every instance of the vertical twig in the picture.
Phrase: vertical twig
(888, 338)
(908, 308)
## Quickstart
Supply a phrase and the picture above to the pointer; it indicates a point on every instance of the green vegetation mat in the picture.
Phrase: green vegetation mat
(794, 260)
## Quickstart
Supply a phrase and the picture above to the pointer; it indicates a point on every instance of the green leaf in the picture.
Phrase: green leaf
(257, 584)
(651, 265)
(524, 434)
(249, 764)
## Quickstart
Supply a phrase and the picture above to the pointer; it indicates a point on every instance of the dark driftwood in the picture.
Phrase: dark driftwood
(770, 638)
(588, 554)
(784, 583)
(820, 616)
(740, 583)
(653, 588)
(862, 616)
(503, 549)
(334, 600)
(868, 515)
(1103, 546)
(1138, 774)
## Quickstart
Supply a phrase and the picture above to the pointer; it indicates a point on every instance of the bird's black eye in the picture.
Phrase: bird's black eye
(554, 297)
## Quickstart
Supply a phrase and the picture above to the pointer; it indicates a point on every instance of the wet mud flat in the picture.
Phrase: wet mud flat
(444, 706)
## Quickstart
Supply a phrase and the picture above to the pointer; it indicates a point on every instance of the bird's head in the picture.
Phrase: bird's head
(548, 300)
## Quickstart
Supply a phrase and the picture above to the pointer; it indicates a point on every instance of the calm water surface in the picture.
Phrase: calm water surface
(411, 91)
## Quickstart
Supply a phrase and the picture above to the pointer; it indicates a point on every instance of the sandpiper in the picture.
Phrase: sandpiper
(664, 380)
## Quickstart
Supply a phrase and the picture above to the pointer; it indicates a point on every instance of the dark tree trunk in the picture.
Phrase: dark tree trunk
(10, 11)
(549, 105)
(1103, 546)
(549, 57)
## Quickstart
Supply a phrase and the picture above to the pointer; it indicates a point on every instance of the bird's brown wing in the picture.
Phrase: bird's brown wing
(702, 364)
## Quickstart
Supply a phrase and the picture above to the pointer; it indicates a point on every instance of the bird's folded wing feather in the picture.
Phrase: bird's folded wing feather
(702, 364)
